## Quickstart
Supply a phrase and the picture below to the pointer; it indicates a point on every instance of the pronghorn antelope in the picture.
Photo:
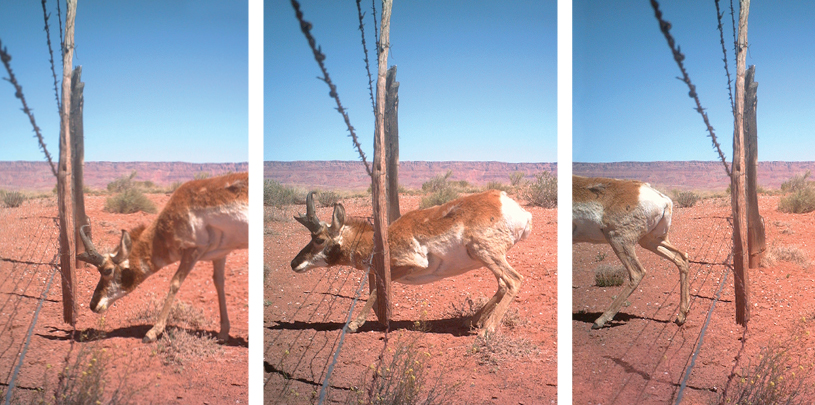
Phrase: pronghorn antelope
(623, 213)
(428, 245)
(203, 220)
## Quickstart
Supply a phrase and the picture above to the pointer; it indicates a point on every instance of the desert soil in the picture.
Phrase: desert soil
(305, 313)
(643, 356)
(212, 374)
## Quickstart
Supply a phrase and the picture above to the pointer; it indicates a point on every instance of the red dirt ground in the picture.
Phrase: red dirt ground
(642, 356)
(305, 313)
(29, 233)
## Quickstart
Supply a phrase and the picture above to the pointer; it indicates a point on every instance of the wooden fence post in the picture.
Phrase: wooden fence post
(756, 242)
(64, 197)
(392, 143)
(78, 159)
(381, 259)
(738, 198)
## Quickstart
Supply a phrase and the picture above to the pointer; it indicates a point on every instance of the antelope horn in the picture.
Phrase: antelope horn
(310, 220)
(90, 254)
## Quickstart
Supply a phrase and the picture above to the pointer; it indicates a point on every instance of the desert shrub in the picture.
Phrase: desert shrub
(542, 191)
(179, 347)
(437, 183)
(13, 199)
(784, 253)
(181, 314)
(795, 183)
(129, 201)
(89, 379)
(497, 185)
(801, 201)
(176, 184)
(685, 199)
(122, 183)
(328, 198)
(439, 197)
(402, 380)
(778, 375)
(608, 275)
(278, 195)
(202, 175)
(515, 178)
(497, 348)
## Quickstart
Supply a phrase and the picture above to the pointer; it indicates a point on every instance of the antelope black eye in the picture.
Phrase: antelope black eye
(106, 272)
(319, 241)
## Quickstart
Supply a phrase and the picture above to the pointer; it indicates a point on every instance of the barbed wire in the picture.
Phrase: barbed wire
(665, 27)
(319, 56)
(365, 51)
(18, 92)
(724, 59)
(376, 30)
(61, 40)
(45, 16)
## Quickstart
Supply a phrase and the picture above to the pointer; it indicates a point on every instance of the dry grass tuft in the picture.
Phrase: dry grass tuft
(608, 275)
(496, 348)
(179, 347)
(785, 253)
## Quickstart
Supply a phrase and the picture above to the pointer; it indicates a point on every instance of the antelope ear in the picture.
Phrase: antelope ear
(338, 219)
(124, 248)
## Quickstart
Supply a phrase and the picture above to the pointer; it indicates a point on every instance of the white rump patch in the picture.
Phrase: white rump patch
(519, 220)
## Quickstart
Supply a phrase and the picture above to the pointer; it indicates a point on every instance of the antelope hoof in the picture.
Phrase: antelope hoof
(151, 336)
(597, 325)
(680, 319)
(353, 326)
(223, 337)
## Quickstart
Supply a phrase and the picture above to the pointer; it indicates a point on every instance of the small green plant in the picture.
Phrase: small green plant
(438, 183)
(801, 201)
(13, 199)
(202, 175)
(122, 183)
(778, 375)
(600, 257)
(608, 275)
(278, 195)
(685, 199)
(543, 191)
(403, 380)
(129, 201)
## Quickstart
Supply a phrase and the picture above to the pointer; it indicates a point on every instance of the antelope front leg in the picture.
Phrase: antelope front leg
(636, 272)
(363, 316)
(218, 267)
(187, 262)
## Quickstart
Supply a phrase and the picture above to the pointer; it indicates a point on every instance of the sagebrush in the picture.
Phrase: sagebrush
(129, 201)
(277, 195)
(542, 191)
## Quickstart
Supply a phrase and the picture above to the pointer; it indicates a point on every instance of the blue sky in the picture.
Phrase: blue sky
(164, 81)
(477, 81)
(629, 106)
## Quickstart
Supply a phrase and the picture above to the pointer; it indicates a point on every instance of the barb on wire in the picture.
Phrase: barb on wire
(665, 27)
(18, 92)
(319, 56)
(61, 41)
(365, 50)
(724, 59)
(45, 16)
(376, 30)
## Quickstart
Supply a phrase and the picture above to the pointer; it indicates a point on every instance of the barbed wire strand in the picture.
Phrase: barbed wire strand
(342, 337)
(45, 16)
(319, 56)
(701, 338)
(724, 58)
(376, 30)
(18, 92)
(665, 27)
(365, 51)
(61, 40)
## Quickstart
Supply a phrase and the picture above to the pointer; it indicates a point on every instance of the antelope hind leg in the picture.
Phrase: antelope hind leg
(218, 277)
(636, 272)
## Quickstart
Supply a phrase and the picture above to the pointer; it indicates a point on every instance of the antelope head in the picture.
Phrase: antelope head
(117, 279)
(325, 247)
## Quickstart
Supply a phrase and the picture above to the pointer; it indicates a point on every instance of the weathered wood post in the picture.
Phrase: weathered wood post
(392, 143)
(756, 242)
(78, 158)
(64, 197)
(381, 257)
(738, 198)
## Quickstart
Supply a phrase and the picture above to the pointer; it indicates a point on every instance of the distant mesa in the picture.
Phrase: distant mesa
(37, 176)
